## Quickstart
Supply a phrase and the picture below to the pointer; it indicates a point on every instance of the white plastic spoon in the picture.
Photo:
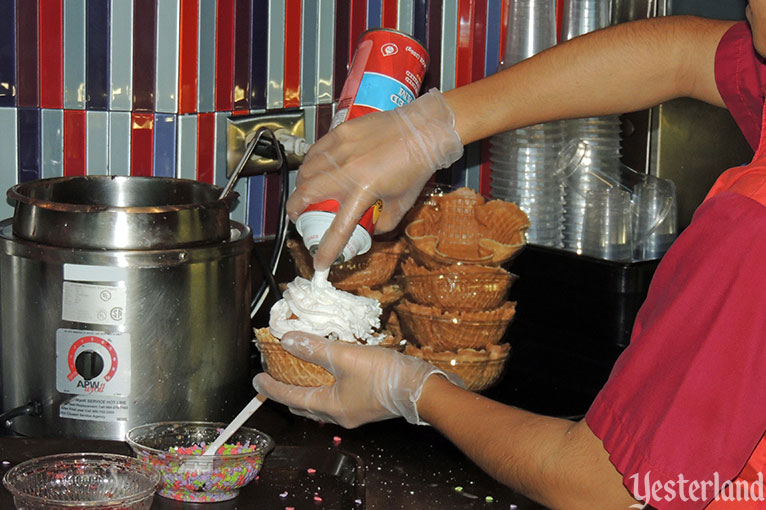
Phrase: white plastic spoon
(235, 424)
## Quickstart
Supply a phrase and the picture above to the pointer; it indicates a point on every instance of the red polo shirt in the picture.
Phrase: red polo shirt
(684, 408)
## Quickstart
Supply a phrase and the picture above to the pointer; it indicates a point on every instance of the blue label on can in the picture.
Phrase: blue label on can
(382, 92)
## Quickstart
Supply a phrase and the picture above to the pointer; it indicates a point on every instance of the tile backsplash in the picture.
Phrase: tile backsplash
(145, 87)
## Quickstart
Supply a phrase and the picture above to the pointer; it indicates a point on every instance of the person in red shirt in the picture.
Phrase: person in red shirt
(680, 422)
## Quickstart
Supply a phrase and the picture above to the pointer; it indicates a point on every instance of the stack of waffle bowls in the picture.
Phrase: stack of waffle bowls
(456, 310)
(369, 275)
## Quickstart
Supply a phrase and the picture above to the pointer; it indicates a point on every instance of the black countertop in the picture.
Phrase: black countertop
(404, 466)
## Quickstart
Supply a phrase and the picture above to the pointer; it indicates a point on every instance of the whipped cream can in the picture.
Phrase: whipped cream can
(386, 72)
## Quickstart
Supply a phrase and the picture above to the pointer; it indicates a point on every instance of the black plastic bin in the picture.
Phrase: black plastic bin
(574, 316)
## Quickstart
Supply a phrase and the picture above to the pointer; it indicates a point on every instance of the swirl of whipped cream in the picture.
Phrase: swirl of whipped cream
(317, 307)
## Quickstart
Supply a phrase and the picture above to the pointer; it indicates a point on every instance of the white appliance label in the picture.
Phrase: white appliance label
(93, 363)
(95, 409)
(94, 304)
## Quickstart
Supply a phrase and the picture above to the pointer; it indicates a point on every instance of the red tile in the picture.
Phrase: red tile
(224, 56)
(358, 25)
(141, 144)
(464, 54)
(187, 57)
(479, 36)
(485, 171)
(206, 147)
(51, 54)
(292, 83)
(389, 14)
(75, 138)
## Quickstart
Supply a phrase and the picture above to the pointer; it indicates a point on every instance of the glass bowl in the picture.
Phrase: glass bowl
(190, 476)
(82, 480)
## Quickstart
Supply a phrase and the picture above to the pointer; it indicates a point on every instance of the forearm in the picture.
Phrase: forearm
(623, 68)
(556, 462)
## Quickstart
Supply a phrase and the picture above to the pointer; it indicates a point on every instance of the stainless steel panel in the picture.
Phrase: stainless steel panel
(185, 332)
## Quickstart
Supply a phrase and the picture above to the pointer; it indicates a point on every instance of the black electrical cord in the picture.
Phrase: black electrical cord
(269, 282)
(31, 409)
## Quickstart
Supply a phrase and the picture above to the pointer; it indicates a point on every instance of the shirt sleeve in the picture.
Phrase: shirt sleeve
(686, 401)
(740, 75)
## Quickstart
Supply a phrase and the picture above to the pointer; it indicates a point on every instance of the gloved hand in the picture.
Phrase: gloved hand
(371, 383)
(382, 155)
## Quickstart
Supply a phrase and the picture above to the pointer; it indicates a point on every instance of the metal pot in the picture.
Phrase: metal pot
(123, 301)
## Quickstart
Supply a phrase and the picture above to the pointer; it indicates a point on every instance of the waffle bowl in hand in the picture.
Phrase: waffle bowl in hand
(457, 287)
(442, 330)
(478, 368)
(462, 227)
(286, 368)
(289, 369)
(371, 269)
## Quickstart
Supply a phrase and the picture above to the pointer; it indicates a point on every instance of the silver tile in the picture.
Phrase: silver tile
(449, 45)
(309, 52)
(119, 143)
(325, 51)
(52, 143)
(121, 55)
(97, 143)
(206, 56)
(166, 70)
(186, 157)
(276, 57)
(74, 54)
(404, 16)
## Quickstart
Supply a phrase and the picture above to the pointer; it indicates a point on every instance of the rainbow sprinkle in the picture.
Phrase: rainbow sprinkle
(205, 479)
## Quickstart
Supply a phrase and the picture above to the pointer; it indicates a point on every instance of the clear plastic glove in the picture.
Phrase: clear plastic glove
(383, 155)
(371, 383)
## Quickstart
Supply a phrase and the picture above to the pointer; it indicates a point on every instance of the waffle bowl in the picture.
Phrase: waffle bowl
(457, 287)
(478, 368)
(371, 269)
(430, 326)
(284, 367)
(463, 227)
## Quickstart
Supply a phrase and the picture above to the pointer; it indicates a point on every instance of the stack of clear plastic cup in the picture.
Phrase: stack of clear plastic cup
(622, 214)
(524, 160)
(656, 218)
(602, 134)
(531, 29)
(600, 155)
(524, 171)
(608, 224)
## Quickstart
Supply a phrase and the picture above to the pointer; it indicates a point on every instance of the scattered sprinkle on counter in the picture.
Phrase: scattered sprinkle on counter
(489, 499)
(311, 471)
(336, 440)
(458, 489)
(283, 495)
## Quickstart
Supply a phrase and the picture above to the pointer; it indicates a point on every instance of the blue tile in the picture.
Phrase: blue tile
(494, 22)
(374, 13)
(97, 54)
(256, 188)
(164, 145)
(29, 144)
(260, 54)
